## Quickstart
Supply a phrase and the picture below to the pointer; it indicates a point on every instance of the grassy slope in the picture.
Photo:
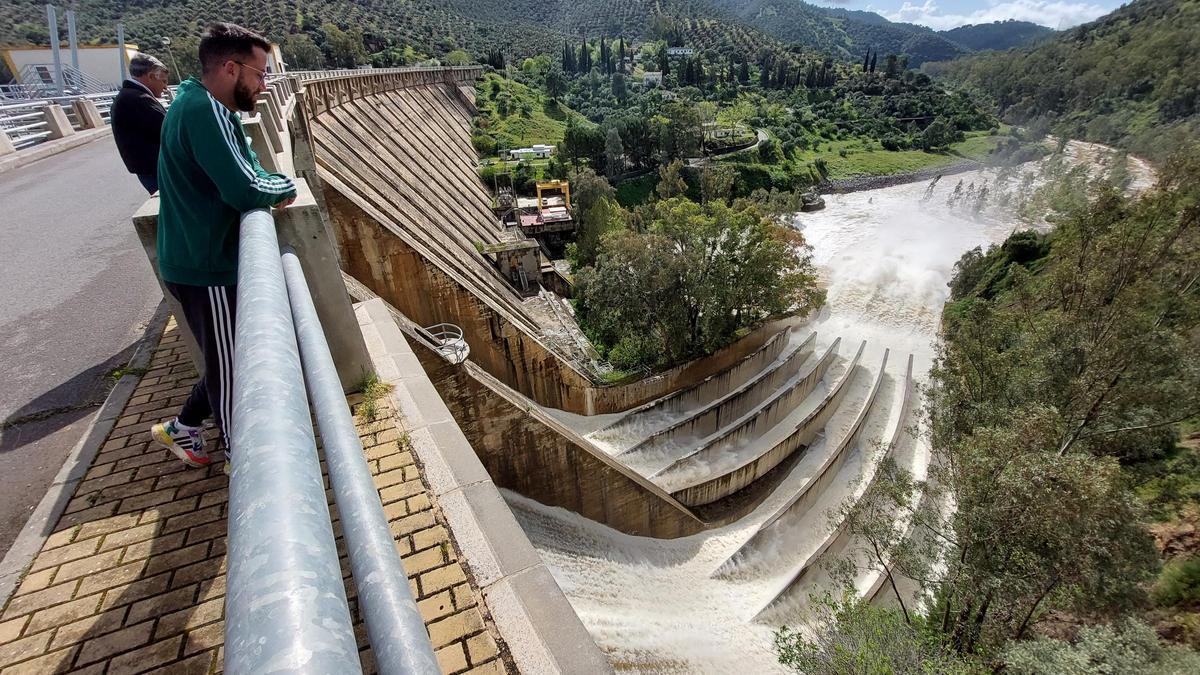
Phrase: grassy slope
(873, 160)
(545, 122)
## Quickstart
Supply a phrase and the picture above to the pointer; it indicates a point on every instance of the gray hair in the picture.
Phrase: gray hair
(144, 64)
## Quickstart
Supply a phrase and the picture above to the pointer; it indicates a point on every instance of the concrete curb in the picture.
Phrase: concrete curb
(541, 629)
(38, 528)
(49, 149)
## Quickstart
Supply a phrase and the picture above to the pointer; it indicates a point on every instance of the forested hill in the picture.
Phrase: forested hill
(850, 32)
(399, 30)
(998, 35)
(1129, 78)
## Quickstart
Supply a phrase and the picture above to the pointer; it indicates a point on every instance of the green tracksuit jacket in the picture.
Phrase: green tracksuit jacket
(207, 177)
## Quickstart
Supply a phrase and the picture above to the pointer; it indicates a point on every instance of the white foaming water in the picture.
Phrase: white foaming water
(652, 605)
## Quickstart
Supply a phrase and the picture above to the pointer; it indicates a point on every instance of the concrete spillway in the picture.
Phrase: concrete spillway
(725, 464)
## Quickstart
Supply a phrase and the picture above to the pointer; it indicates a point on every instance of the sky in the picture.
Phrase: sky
(945, 14)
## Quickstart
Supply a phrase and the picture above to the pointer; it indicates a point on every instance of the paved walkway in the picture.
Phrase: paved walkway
(76, 292)
(132, 579)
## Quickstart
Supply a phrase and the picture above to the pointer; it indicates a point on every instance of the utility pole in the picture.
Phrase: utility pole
(52, 19)
(121, 50)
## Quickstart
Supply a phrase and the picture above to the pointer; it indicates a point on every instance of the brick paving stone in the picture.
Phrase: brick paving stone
(452, 658)
(133, 578)
(11, 630)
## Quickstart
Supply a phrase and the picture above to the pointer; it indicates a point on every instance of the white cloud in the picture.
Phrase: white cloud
(1055, 14)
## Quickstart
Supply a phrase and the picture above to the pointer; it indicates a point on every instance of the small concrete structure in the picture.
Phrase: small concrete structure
(6, 146)
(88, 114)
(652, 78)
(520, 262)
(57, 122)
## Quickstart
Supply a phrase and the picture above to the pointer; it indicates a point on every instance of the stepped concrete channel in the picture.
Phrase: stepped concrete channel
(765, 434)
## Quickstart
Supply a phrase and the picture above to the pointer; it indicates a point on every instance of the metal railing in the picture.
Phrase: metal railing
(445, 339)
(286, 606)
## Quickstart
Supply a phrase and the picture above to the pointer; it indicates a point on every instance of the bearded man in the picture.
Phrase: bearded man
(208, 177)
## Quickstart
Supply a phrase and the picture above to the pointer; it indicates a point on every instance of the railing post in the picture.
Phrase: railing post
(57, 122)
(88, 114)
(286, 604)
(261, 144)
(399, 640)
(302, 227)
(6, 144)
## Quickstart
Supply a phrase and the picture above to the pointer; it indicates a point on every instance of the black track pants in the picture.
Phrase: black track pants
(210, 312)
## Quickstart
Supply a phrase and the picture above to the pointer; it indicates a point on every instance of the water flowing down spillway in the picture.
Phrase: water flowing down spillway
(699, 603)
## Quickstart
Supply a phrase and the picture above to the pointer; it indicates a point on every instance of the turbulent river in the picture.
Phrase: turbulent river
(885, 256)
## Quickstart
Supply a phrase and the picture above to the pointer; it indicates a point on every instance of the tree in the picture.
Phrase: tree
(1128, 647)
(716, 183)
(614, 153)
(620, 89)
(892, 69)
(583, 142)
(556, 83)
(854, 637)
(690, 281)
(680, 134)
(596, 212)
(458, 57)
(344, 49)
(670, 180)
(1042, 384)
(301, 53)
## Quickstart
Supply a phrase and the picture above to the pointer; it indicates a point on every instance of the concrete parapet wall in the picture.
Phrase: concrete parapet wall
(530, 612)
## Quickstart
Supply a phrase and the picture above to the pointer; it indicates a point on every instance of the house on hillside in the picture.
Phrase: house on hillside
(680, 51)
(652, 78)
(538, 151)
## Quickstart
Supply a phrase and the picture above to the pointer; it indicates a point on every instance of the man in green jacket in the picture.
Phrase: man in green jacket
(207, 177)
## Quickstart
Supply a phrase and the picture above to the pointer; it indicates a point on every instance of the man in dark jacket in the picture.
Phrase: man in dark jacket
(137, 118)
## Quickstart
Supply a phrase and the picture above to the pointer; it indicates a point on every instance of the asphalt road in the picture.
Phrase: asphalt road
(76, 293)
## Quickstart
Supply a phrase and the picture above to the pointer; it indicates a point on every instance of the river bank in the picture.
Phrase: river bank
(860, 183)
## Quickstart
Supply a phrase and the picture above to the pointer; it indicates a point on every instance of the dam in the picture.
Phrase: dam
(686, 514)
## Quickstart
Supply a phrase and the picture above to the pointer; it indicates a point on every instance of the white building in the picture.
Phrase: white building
(652, 78)
(680, 51)
(538, 151)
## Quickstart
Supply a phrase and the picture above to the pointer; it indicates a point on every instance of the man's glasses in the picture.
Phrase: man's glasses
(262, 74)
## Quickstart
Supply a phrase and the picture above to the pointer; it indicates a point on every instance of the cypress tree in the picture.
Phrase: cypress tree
(873, 57)
(867, 59)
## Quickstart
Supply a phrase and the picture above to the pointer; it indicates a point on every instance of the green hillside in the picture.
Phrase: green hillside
(998, 35)
(1129, 78)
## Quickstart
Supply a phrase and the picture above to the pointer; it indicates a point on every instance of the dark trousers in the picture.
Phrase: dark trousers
(148, 181)
(210, 312)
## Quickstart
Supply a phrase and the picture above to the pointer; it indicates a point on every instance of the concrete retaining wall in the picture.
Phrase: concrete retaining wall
(528, 452)
(839, 537)
(732, 405)
(752, 469)
(834, 460)
(712, 386)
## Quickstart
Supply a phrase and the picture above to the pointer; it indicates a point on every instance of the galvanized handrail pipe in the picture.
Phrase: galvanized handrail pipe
(396, 630)
(285, 609)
